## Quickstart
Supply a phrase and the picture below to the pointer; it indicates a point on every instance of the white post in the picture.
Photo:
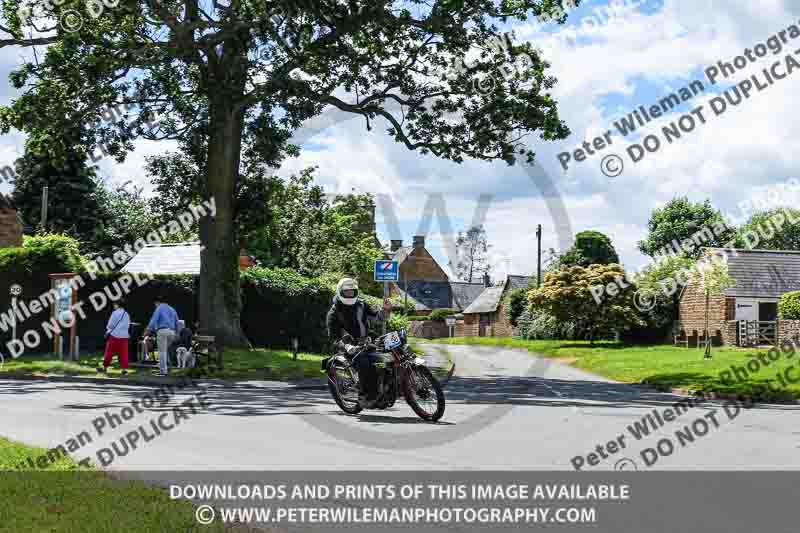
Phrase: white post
(14, 317)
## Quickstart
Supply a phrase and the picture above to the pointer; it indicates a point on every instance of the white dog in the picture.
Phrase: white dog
(186, 358)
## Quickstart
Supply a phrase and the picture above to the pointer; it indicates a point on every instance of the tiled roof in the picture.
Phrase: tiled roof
(762, 273)
(429, 295)
(520, 282)
(465, 293)
(487, 302)
(166, 259)
(401, 254)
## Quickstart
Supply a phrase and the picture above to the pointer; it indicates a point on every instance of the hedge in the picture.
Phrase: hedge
(789, 306)
(441, 314)
(277, 304)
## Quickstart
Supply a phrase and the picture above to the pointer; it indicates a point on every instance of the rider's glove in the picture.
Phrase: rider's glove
(350, 349)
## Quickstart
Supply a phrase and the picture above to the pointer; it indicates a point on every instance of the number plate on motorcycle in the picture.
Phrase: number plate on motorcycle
(392, 340)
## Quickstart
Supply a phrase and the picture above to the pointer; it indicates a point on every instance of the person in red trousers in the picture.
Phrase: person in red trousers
(117, 337)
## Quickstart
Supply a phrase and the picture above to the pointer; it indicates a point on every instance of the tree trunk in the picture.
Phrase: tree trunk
(219, 295)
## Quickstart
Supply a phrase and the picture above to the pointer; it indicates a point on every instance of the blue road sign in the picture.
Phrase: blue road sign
(387, 270)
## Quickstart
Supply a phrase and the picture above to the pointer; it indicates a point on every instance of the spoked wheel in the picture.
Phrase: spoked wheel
(424, 394)
(344, 389)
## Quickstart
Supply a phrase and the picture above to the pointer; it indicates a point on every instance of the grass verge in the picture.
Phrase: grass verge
(64, 497)
(237, 365)
(665, 366)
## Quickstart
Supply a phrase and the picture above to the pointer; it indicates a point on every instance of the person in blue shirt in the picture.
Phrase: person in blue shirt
(163, 325)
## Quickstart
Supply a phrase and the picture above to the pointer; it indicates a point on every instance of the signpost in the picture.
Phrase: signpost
(16, 291)
(386, 271)
(451, 322)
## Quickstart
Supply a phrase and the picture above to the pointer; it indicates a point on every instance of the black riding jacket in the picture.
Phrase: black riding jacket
(352, 319)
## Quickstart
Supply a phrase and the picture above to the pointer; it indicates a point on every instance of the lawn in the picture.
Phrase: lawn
(661, 365)
(66, 498)
(237, 364)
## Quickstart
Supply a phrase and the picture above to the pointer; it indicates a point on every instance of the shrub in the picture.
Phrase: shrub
(397, 322)
(517, 302)
(441, 314)
(539, 324)
(42, 254)
(789, 306)
(417, 318)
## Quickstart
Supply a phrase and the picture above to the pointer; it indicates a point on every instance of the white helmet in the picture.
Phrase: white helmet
(347, 291)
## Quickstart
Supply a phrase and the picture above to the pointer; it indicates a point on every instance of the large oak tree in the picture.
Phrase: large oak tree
(233, 80)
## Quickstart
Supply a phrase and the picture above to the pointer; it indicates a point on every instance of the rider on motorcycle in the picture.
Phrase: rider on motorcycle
(348, 320)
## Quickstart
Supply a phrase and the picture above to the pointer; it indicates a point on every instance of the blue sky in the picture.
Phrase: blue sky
(606, 67)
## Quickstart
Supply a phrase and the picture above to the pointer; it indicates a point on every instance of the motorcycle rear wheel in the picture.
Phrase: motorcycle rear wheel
(421, 390)
(335, 386)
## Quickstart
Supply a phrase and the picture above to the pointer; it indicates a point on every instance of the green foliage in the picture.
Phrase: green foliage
(418, 318)
(280, 304)
(399, 304)
(789, 306)
(538, 324)
(73, 204)
(693, 225)
(46, 253)
(566, 295)
(590, 248)
(130, 216)
(218, 77)
(440, 314)
(662, 281)
(773, 229)
(713, 275)
(517, 304)
(397, 322)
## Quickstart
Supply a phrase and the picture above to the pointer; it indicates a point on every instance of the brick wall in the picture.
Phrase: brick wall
(469, 327)
(428, 329)
(501, 326)
(692, 310)
(10, 230)
(730, 332)
(788, 330)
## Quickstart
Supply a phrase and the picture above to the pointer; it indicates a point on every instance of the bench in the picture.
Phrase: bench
(205, 347)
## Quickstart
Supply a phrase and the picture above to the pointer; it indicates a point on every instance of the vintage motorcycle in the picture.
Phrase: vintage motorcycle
(400, 372)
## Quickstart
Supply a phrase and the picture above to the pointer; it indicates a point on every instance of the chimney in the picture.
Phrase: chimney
(419, 241)
(486, 281)
(396, 244)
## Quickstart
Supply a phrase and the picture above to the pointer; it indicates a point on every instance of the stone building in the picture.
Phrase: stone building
(487, 316)
(10, 225)
(749, 309)
(425, 283)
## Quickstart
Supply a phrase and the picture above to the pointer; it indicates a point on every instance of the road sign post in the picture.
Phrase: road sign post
(16, 291)
(451, 322)
(386, 271)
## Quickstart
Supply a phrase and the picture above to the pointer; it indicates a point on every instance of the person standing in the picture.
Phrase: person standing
(117, 337)
(163, 324)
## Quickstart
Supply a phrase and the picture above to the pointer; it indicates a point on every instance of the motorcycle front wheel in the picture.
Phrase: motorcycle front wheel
(424, 394)
(343, 389)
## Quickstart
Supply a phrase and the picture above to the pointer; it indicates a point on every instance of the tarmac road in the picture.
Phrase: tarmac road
(506, 410)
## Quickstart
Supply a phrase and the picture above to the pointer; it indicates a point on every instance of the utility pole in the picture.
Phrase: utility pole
(538, 255)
